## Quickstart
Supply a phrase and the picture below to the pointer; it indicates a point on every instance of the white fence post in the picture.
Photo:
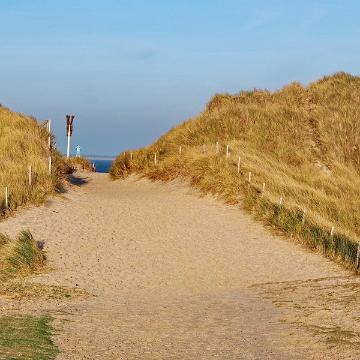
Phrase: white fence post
(358, 257)
(6, 197)
(332, 231)
(303, 217)
(30, 175)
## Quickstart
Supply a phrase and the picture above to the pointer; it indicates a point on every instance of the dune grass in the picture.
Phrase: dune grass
(20, 257)
(23, 143)
(301, 146)
(79, 163)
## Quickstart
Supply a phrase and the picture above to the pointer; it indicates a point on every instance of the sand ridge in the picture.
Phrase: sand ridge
(171, 275)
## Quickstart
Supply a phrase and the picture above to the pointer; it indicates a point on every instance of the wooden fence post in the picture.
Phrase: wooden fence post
(30, 175)
(50, 164)
(238, 165)
(217, 147)
(249, 177)
(6, 197)
(180, 150)
(358, 257)
(227, 151)
(332, 231)
(155, 159)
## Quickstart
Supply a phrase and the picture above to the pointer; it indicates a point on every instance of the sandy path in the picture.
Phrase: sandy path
(175, 276)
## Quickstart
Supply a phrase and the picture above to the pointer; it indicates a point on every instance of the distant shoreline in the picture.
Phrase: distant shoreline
(99, 157)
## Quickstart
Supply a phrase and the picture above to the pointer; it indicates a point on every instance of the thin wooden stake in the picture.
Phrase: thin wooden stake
(180, 150)
(358, 257)
(249, 177)
(303, 217)
(30, 176)
(50, 162)
(332, 231)
(131, 156)
(217, 147)
(6, 197)
(227, 151)
(263, 188)
(280, 201)
(155, 159)
(238, 165)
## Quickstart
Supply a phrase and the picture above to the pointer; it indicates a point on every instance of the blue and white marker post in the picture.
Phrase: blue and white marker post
(78, 151)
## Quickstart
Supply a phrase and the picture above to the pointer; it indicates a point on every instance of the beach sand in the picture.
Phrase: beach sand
(171, 275)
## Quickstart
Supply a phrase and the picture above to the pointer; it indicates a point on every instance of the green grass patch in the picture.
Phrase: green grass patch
(26, 338)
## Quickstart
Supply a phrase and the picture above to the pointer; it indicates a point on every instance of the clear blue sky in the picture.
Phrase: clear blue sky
(131, 69)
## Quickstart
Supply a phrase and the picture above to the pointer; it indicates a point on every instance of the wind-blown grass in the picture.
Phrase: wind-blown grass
(303, 143)
(20, 257)
(24, 142)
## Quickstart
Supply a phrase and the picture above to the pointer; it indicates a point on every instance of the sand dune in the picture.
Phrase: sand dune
(175, 276)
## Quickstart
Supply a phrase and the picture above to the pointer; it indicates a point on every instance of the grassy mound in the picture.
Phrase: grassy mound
(298, 152)
(20, 257)
(24, 143)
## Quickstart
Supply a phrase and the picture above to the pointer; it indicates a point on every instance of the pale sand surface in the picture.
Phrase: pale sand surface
(171, 275)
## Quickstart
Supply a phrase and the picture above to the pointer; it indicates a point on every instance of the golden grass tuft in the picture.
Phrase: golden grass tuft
(302, 142)
(79, 163)
(20, 257)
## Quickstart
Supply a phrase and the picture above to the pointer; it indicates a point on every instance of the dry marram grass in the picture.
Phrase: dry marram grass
(303, 143)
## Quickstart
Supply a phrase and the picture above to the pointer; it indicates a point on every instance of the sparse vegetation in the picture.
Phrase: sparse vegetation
(79, 163)
(19, 257)
(26, 337)
(303, 143)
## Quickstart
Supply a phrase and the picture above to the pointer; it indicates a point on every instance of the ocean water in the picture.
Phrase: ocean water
(102, 165)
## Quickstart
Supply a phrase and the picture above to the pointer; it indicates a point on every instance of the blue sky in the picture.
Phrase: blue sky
(132, 69)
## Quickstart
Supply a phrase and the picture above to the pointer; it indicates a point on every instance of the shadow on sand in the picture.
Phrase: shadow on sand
(78, 180)
(74, 179)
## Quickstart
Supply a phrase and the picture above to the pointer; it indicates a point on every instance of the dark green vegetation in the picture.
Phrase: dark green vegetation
(299, 152)
(26, 338)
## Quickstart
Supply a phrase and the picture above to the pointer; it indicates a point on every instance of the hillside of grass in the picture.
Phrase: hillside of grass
(290, 157)
(24, 142)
